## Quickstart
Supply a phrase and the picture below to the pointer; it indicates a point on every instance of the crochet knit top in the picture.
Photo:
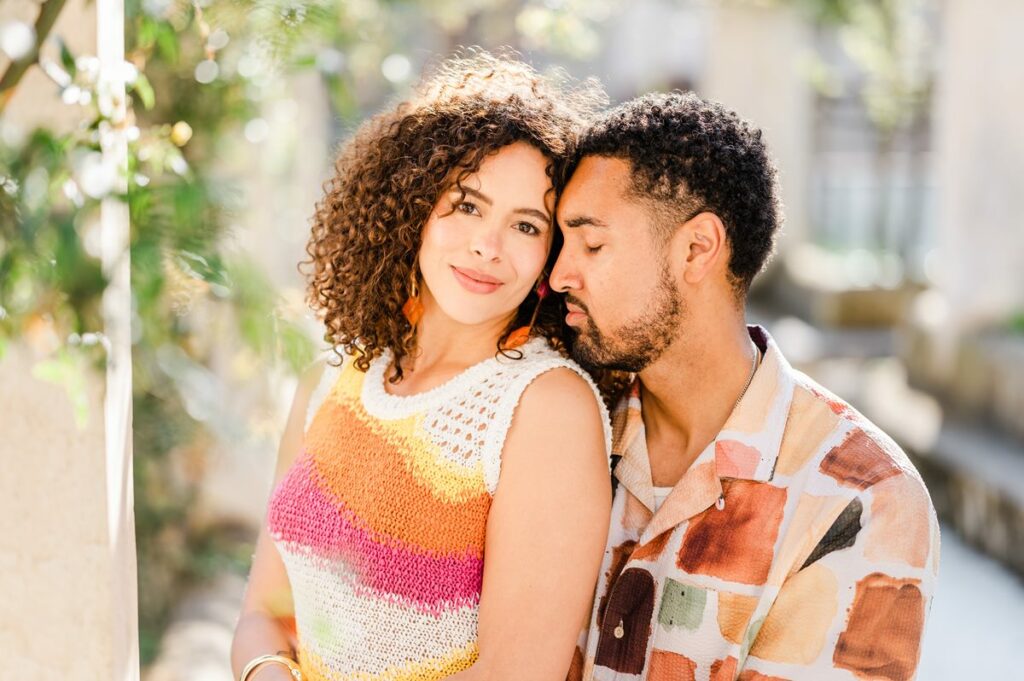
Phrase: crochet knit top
(380, 520)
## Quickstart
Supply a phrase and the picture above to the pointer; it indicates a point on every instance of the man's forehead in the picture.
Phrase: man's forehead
(599, 185)
(601, 169)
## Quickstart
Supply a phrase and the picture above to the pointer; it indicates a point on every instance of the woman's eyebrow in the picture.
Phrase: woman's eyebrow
(469, 191)
(480, 196)
(535, 213)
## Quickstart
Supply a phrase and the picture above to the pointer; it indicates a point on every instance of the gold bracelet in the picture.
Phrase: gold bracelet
(258, 662)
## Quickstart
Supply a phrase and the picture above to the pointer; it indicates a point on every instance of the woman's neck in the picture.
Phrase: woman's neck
(444, 348)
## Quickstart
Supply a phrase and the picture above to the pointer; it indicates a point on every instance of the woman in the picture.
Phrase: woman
(454, 429)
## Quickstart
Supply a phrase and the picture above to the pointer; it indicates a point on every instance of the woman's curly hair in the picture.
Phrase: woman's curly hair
(367, 228)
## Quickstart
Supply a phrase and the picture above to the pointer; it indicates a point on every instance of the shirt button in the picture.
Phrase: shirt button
(620, 630)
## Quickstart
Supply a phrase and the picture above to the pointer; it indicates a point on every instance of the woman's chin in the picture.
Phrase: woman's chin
(470, 316)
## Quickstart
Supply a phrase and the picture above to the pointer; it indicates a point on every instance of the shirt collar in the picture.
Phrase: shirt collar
(746, 448)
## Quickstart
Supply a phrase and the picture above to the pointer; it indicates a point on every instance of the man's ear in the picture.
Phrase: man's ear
(704, 246)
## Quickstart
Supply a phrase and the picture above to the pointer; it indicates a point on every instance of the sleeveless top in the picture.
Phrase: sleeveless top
(380, 520)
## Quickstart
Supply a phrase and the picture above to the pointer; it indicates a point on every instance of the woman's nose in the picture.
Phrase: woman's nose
(486, 243)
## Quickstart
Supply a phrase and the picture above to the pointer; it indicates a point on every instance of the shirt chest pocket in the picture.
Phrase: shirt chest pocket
(701, 623)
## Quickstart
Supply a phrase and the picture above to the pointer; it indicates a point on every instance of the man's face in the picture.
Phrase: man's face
(622, 296)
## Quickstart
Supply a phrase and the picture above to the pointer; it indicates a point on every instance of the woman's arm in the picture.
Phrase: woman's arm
(545, 534)
(267, 606)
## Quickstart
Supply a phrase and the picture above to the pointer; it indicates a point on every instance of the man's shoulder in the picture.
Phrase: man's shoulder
(845, 457)
(826, 437)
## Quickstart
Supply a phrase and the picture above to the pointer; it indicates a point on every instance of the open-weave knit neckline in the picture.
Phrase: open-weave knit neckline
(380, 403)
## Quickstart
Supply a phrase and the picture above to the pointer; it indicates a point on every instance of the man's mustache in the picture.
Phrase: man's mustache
(569, 298)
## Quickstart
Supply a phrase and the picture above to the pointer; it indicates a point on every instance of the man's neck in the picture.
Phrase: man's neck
(689, 393)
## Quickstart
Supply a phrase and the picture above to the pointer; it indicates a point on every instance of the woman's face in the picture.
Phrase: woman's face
(483, 253)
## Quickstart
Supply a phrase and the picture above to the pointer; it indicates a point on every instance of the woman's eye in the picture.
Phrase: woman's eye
(467, 208)
(527, 228)
(594, 249)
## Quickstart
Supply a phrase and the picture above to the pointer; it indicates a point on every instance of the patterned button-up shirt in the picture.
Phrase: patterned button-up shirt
(801, 544)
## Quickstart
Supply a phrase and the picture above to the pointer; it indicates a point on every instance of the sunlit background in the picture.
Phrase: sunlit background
(899, 280)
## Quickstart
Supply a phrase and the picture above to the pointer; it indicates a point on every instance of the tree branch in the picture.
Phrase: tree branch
(48, 13)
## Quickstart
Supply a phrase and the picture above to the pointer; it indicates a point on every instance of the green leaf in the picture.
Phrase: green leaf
(146, 35)
(67, 59)
(304, 61)
(167, 42)
(144, 90)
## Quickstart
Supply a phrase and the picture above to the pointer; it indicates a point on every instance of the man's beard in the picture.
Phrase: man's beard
(635, 345)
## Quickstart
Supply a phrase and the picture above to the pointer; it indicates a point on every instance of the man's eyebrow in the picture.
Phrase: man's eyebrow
(583, 221)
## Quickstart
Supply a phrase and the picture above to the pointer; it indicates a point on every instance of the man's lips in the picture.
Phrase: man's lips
(575, 315)
(474, 281)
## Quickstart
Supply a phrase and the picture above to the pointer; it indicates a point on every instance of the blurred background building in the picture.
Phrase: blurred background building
(899, 280)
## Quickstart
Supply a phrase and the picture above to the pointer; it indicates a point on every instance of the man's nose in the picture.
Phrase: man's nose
(563, 275)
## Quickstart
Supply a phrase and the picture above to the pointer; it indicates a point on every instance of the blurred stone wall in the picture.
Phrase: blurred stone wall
(980, 144)
(55, 561)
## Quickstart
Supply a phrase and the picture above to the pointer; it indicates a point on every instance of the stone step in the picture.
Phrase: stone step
(197, 644)
(856, 289)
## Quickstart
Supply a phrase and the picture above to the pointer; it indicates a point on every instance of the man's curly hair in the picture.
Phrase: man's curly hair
(689, 155)
(366, 232)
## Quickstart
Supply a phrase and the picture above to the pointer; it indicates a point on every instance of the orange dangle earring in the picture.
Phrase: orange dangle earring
(522, 334)
(413, 308)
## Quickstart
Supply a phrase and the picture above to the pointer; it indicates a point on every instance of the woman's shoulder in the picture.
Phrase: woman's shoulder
(562, 401)
(561, 372)
(565, 388)
(557, 384)
(543, 395)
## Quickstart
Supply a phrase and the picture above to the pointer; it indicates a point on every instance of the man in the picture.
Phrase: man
(761, 528)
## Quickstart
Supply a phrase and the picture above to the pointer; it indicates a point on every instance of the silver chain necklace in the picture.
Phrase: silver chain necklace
(750, 378)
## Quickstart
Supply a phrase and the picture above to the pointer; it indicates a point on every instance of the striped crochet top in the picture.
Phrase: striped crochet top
(380, 520)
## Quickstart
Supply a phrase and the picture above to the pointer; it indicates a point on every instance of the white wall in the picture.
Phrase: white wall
(980, 150)
(55, 561)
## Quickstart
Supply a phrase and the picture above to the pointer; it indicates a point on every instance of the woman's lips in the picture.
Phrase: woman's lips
(475, 282)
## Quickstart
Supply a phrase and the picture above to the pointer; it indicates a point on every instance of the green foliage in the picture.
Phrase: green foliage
(1017, 323)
